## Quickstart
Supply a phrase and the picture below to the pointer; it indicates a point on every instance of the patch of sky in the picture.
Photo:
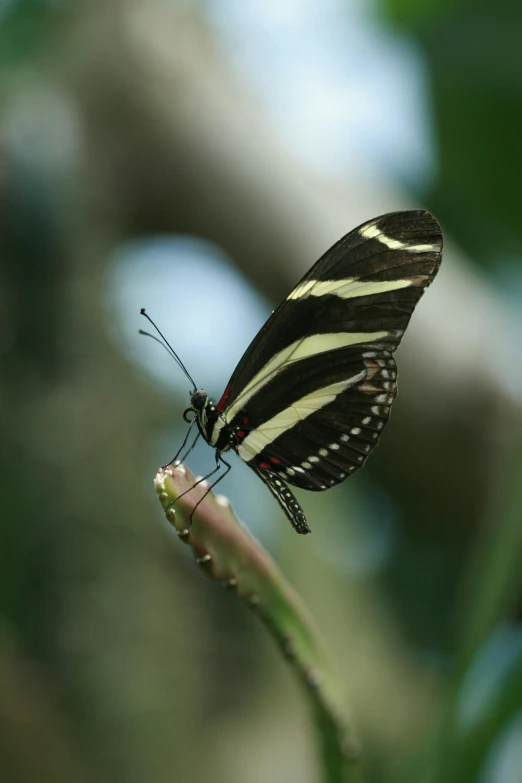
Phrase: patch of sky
(204, 307)
(340, 87)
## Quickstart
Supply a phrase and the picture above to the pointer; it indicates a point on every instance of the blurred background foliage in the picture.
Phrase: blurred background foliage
(195, 158)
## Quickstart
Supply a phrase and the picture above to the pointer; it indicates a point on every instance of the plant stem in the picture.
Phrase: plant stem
(227, 552)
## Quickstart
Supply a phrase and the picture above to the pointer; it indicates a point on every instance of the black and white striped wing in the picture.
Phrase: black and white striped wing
(324, 424)
(313, 391)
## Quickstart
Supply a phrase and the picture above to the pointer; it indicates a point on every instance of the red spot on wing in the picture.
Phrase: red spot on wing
(221, 403)
(275, 460)
(245, 420)
(240, 434)
(265, 465)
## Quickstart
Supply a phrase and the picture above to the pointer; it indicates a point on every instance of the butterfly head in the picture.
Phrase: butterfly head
(198, 400)
(206, 413)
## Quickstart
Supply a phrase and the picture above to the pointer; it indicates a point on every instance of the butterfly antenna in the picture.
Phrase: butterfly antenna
(165, 343)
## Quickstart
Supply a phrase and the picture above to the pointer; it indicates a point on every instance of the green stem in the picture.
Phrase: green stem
(227, 552)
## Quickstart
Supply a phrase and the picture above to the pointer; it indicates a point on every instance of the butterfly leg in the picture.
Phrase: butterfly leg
(185, 455)
(195, 484)
(174, 459)
(211, 487)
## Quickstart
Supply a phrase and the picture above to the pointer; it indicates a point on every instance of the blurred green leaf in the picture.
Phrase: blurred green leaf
(410, 14)
(492, 589)
(474, 61)
(26, 27)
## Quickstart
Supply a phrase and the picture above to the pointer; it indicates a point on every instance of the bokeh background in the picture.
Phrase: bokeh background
(195, 158)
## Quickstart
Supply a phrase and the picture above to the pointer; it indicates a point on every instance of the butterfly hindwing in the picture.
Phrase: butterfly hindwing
(321, 449)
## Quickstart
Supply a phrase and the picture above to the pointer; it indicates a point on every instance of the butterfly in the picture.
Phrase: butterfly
(308, 401)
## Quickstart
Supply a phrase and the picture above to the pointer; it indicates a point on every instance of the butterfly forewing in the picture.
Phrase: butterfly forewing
(373, 288)
(312, 393)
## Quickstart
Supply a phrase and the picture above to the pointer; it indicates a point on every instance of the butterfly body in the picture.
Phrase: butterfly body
(309, 399)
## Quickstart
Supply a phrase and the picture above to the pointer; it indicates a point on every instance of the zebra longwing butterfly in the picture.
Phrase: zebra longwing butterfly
(308, 401)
